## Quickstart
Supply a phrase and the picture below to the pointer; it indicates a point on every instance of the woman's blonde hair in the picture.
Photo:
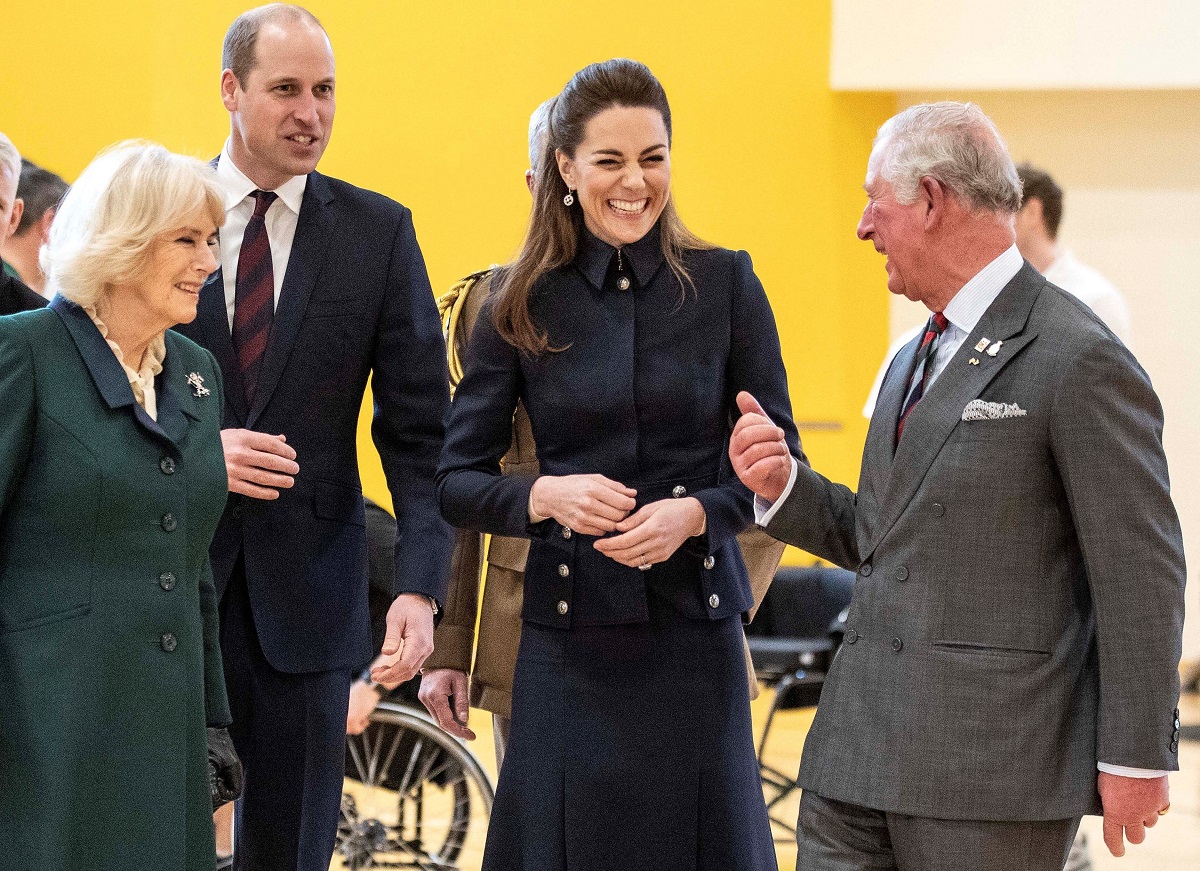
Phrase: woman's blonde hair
(128, 195)
(554, 230)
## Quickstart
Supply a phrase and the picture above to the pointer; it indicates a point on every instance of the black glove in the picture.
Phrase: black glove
(224, 768)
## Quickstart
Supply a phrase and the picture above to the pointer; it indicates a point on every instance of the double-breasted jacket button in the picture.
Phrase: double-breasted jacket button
(237, 512)
(865, 570)
(710, 561)
(623, 283)
(563, 607)
(897, 644)
(168, 522)
(851, 636)
(167, 464)
(902, 573)
(167, 581)
(566, 532)
(714, 601)
(938, 509)
(563, 570)
(168, 642)
(679, 491)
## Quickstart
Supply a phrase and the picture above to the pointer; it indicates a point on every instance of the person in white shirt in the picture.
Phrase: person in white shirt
(1037, 239)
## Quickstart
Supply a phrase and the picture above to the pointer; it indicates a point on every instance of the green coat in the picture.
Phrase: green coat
(110, 666)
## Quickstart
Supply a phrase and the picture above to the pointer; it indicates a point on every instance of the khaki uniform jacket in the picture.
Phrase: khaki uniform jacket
(498, 616)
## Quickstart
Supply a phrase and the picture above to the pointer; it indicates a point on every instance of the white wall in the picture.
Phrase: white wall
(885, 45)
(1128, 163)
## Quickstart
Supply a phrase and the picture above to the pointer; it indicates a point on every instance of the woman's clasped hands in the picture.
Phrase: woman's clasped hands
(598, 506)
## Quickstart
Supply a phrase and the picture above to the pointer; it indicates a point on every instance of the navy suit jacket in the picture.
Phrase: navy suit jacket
(356, 302)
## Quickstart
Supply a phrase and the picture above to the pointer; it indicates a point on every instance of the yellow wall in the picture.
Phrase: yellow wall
(433, 102)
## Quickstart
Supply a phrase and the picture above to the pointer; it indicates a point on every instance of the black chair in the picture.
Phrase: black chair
(792, 641)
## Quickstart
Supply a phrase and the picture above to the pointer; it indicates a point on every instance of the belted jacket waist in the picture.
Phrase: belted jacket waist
(568, 582)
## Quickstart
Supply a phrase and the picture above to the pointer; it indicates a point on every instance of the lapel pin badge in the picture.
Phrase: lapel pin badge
(994, 348)
(974, 361)
(982, 343)
(197, 384)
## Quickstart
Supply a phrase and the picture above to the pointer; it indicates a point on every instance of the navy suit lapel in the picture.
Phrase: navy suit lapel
(313, 230)
(110, 379)
(212, 323)
(932, 420)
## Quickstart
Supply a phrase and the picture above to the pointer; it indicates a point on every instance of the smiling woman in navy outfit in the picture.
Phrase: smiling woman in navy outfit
(627, 339)
(112, 480)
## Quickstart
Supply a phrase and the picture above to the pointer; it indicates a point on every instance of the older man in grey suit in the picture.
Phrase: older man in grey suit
(1011, 651)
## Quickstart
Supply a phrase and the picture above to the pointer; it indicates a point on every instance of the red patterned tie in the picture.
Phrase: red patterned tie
(924, 365)
(254, 297)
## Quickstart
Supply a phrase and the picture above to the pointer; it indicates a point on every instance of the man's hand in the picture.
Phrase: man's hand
(591, 504)
(654, 532)
(444, 695)
(758, 452)
(1131, 805)
(258, 465)
(409, 633)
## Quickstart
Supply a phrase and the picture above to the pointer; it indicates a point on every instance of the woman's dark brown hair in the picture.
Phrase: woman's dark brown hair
(554, 229)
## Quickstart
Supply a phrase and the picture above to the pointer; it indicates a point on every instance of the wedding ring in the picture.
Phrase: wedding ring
(645, 566)
(1163, 812)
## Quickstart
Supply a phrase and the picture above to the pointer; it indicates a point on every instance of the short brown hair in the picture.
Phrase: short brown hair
(237, 52)
(1038, 184)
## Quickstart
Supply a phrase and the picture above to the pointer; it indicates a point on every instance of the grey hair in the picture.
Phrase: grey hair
(538, 122)
(955, 143)
(237, 52)
(107, 222)
(9, 156)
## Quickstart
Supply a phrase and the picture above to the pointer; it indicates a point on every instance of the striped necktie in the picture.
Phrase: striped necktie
(254, 296)
(923, 367)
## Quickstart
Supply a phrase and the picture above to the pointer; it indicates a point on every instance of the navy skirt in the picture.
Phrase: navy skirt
(631, 748)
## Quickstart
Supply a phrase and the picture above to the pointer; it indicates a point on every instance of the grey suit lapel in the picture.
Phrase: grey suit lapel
(932, 420)
(881, 436)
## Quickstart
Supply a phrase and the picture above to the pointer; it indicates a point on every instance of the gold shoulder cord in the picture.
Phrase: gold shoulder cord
(450, 306)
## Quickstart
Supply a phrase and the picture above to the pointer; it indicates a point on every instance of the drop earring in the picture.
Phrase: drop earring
(569, 199)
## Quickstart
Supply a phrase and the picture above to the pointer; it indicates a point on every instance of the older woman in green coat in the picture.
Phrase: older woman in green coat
(111, 484)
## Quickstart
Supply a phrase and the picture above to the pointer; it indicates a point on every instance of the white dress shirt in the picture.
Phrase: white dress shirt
(963, 312)
(1093, 290)
(281, 220)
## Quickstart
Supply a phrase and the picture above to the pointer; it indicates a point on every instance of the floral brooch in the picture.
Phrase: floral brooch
(197, 384)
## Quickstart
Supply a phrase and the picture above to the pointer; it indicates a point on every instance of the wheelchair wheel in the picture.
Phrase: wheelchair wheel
(415, 796)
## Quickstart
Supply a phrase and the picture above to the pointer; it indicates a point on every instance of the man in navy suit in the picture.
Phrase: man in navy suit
(321, 285)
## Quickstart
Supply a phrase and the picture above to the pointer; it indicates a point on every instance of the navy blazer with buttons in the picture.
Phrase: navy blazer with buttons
(355, 302)
(642, 391)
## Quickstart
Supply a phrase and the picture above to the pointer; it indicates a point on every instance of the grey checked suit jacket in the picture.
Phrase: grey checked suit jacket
(1018, 609)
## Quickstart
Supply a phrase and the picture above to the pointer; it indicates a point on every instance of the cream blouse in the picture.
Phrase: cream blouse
(141, 379)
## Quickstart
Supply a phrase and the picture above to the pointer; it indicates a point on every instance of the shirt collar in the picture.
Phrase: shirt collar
(237, 186)
(643, 257)
(969, 304)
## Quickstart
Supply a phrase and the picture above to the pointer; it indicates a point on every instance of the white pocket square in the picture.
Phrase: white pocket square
(977, 409)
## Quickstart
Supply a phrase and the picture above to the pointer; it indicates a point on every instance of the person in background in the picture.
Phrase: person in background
(15, 296)
(626, 339)
(1037, 239)
(1013, 534)
(322, 286)
(112, 484)
(41, 191)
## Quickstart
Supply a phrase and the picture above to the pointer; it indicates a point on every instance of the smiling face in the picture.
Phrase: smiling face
(621, 173)
(167, 288)
(282, 114)
(895, 229)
